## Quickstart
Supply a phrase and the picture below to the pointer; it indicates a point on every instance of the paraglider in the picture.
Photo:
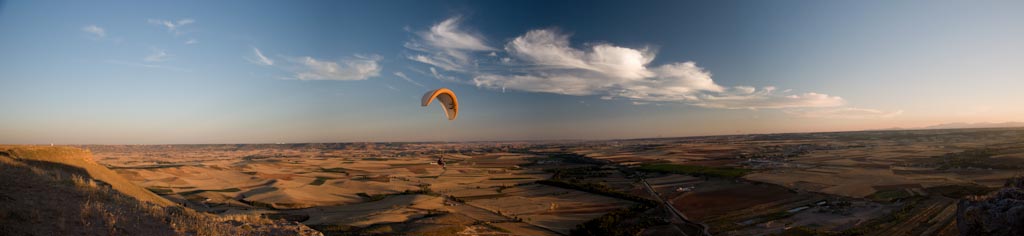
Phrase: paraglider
(447, 99)
(449, 102)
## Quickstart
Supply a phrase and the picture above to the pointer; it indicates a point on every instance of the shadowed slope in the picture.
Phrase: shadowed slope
(74, 157)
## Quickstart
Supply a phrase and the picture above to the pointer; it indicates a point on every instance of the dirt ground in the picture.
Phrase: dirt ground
(722, 196)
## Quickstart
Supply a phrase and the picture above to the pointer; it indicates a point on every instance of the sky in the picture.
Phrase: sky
(125, 72)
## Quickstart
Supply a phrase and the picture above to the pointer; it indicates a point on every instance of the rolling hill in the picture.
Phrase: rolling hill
(62, 191)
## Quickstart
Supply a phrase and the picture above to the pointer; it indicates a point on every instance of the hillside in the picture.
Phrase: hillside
(997, 213)
(61, 191)
(80, 162)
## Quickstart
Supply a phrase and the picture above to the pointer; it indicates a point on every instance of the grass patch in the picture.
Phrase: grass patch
(320, 180)
(378, 197)
(479, 197)
(578, 173)
(772, 216)
(890, 195)
(627, 221)
(145, 167)
(721, 171)
(803, 231)
(407, 164)
(980, 158)
(161, 191)
(496, 228)
(876, 224)
(510, 178)
(599, 189)
(334, 170)
(227, 190)
(960, 191)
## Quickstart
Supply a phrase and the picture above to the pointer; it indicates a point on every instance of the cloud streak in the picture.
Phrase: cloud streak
(447, 46)
(357, 68)
(544, 60)
(845, 113)
(259, 59)
(448, 35)
(406, 78)
(158, 55)
(127, 63)
(95, 31)
(172, 26)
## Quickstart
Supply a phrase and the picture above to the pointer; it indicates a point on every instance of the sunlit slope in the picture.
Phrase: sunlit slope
(47, 195)
(78, 158)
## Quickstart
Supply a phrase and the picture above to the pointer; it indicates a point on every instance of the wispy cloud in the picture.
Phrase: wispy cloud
(95, 31)
(447, 46)
(154, 66)
(158, 55)
(765, 98)
(448, 35)
(543, 60)
(259, 59)
(356, 68)
(191, 41)
(442, 77)
(406, 78)
(172, 26)
(844, 113)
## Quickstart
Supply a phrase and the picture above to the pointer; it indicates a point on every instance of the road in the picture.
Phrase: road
(665, 203)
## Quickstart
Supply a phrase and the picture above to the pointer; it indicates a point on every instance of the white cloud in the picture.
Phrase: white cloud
(358, 68)
(442, 62)
(442, 77)
(447, 46)
(447, 35)
(191, 41)
(259, 59)
(172, 26)
(844, 113)
(766, 98)
(95, 31)
(158, 55)
(565, 84)
(127, 63)
(545, 61)
(547, 48)
(406, 78)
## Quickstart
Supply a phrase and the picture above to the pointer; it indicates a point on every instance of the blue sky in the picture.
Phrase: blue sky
(257, 72)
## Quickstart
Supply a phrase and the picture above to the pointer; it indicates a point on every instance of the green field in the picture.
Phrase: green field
(728, 172)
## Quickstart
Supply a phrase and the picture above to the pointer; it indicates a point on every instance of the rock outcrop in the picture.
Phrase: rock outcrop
(999, 213)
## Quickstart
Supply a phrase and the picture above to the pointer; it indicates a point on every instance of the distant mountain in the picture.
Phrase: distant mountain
(959, 125)
(962, 125)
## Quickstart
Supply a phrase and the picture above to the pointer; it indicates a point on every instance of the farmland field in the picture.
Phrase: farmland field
(862, 183)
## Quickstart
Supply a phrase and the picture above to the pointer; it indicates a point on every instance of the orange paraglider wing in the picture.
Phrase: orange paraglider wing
(448, 101)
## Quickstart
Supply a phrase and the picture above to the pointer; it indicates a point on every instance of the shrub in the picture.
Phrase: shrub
(712, 171)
